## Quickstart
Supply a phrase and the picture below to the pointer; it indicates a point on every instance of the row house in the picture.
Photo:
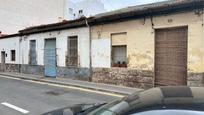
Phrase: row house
(157, 44)
(49, 50)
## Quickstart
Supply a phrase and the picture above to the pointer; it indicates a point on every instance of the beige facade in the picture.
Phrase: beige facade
(140, 39)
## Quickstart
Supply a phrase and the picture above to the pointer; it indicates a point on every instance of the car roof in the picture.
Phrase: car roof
(167, 95)
(172, 95)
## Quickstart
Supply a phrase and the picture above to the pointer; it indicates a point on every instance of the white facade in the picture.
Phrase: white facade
(101, 53)
(69, 10)
(21, 45)
(7, 45)
(61, 45)
(84, 8)
(18, 14)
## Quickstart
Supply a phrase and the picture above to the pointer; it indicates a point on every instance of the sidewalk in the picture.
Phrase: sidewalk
(76, 83)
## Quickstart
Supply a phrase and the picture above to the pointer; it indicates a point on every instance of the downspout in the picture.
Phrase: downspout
(90, 51)
(153, 32)
(20, 55)
(203, 36)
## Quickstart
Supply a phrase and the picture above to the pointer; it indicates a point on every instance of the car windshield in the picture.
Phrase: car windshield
(120, 105)
(170, 112)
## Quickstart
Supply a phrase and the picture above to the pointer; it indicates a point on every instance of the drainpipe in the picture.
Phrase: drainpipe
(19, 53)
(203, 35)
(90, 52)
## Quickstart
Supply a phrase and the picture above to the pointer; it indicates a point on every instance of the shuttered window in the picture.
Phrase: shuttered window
(72, 53)
(118, 39)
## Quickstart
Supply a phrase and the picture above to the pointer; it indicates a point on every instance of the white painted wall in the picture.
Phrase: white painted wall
(89, 7)
(67, 14)
(61, 44)
(7, 45)
(18, 14)
(101, 53)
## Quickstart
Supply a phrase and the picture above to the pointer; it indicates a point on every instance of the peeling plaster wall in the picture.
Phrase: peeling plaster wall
(101, 52)
(140, 39)
(141, 44)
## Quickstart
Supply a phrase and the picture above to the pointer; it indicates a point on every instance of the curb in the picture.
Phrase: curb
(65, 84)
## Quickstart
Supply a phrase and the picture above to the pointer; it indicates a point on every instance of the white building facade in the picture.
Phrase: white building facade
(85, 8)
(19, 14)
(30, 53)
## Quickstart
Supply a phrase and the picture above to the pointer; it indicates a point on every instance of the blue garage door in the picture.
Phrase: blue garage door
(50, 57)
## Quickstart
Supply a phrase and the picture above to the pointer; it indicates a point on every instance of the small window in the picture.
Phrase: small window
(119, 56)
(13, 55)
(80, 11)
(70, 11)
(72, 54)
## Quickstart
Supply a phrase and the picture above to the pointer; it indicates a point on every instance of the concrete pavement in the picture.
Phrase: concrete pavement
(38, 98)
(76, 83)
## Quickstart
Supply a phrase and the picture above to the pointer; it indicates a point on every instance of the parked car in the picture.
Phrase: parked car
(155, 101)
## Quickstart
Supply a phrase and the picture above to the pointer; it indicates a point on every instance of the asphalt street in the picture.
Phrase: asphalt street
(19, 97)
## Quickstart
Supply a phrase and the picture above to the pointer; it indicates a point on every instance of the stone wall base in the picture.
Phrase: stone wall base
(136, 78)
(74, 73)
(115, 76)
(32, 69)
(124, 77)
(66, 72)
(195, 79)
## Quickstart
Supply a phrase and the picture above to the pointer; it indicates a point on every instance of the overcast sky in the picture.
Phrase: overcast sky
(116, 4)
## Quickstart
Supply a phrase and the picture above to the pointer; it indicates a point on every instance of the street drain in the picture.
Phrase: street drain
(56, 92)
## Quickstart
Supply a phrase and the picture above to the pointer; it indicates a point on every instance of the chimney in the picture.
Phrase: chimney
(1, 34)
(60, 19)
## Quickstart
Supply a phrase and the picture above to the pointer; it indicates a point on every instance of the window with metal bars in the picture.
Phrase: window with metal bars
(33, 53)
(13, 55)
(72, 51)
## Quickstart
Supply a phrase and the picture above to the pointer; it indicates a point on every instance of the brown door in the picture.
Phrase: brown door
(171, 56)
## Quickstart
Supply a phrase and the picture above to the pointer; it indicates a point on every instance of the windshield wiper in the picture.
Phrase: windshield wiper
(89, 109)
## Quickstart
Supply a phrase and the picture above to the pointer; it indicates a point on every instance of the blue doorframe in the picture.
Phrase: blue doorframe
(50, 58)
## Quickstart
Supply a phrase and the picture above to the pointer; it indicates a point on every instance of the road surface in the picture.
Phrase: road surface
(20, 97)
